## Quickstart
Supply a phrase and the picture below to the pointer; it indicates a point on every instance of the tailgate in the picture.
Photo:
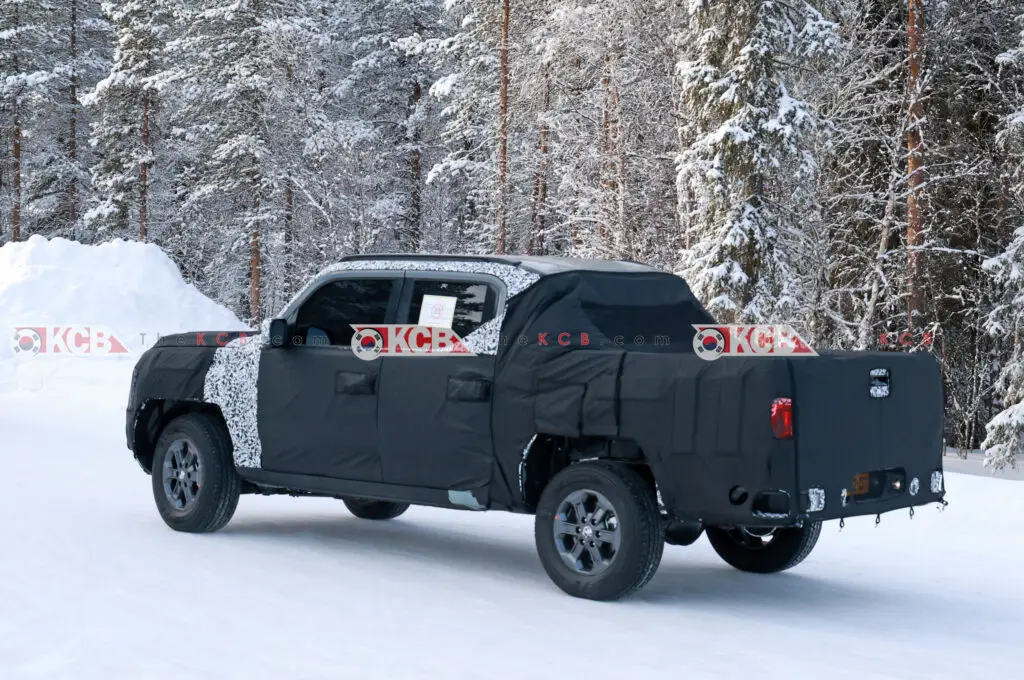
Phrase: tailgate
(868, 431)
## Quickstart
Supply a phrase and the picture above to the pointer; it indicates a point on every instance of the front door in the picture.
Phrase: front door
(435, 411)
(317, 405)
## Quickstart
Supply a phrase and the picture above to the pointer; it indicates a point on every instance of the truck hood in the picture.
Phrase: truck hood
(209, 339)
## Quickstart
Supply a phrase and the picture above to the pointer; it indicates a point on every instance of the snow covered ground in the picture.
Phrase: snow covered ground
(93, 585)
(974, 464)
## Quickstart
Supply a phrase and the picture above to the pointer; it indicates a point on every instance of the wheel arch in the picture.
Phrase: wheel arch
(153, 415)
(547, 455)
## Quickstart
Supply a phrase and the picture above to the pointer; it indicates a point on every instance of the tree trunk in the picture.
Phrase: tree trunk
(606, 171)
(289, 237)
(574, 230)
(915, 163)
(503, 77)
(16, 154)
(144, 170)
(620, 172)
(255, 272)
(613, 190)
(868, 320)
(289, 212)
(540, 179)
(414, 236)
(73, 138)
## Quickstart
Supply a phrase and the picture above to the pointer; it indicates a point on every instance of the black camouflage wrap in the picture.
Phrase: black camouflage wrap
(705, 427)
(585, 352)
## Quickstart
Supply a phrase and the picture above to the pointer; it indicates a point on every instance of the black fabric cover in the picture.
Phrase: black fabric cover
(175, 367)
(600, 354)
(318, 413)
(705, 427)
(434, 423)
(842, 431)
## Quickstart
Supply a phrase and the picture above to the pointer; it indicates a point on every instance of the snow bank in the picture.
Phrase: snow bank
(122, 288)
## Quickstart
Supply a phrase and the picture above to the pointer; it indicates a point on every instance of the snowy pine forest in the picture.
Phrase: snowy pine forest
(852, 167)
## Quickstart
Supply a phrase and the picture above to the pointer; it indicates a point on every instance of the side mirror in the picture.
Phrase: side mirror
(279, 333)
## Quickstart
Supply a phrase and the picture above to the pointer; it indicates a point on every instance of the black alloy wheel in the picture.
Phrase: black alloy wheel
(586, 531)
(182, 475)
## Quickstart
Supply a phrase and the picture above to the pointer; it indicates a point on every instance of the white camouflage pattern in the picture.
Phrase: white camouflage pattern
(231, 385)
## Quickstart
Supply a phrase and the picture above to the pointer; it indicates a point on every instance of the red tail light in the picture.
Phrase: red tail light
(782, 418)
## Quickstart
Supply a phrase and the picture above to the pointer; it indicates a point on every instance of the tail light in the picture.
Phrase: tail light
(782, 418)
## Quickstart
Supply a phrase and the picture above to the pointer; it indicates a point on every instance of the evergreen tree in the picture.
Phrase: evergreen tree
(51, 53)
(743, 132)
(223, 67)
(123, 132)
(59, 183)
(384, 92)
(1005, 440)
(25, 60)
(469, 92)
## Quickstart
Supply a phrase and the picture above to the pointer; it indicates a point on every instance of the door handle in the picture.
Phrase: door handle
(348, 382)
(469, 389)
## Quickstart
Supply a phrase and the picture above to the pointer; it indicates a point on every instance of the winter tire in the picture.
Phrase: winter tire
(366, 509)
(764, 551)
(195, 484)
(598, 531)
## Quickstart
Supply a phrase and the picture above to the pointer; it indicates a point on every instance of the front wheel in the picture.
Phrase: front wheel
(195, 484)
(764, 550)
(598, 531)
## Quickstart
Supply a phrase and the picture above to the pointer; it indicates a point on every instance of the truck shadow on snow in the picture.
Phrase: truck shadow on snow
(681, 580)
(402, 538)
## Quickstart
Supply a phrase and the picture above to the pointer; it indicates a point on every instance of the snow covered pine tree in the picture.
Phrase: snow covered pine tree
(742, 129)
(1005, 441)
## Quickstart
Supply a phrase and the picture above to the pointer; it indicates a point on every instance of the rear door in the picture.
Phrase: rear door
(317, 405)
(435, 410)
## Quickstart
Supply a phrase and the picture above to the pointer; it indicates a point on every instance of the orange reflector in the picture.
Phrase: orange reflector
(861, 484)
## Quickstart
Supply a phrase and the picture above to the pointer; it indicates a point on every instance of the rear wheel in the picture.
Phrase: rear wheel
(195, 484)
(598, 531)
(364, 508)
(764, 550)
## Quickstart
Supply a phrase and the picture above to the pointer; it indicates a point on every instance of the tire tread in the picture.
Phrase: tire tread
(221, 477)
(792, 548)
(649, 542)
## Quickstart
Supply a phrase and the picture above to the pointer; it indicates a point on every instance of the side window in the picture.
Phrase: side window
(462, 306)
(326, 318)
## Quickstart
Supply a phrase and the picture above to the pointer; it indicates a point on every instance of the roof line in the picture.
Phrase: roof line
(501, 259)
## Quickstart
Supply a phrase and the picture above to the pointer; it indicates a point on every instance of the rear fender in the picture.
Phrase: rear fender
(548, 455)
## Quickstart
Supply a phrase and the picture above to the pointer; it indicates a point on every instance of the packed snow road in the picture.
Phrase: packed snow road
(94, 585)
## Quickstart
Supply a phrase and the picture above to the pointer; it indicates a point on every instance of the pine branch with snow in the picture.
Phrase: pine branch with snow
(740, 127)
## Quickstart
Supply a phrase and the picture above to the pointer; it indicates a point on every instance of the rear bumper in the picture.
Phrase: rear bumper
(918, 487)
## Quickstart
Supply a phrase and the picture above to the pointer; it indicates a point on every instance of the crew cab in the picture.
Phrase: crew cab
(576, 395)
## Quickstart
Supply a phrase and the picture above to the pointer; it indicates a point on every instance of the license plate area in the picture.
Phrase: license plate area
(877, 484)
